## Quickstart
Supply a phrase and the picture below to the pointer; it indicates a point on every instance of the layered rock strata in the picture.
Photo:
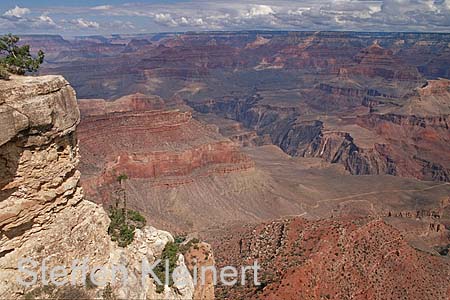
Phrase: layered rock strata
(132, 136)
(408, 140)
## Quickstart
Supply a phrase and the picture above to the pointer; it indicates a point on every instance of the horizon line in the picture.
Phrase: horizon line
(230, 31)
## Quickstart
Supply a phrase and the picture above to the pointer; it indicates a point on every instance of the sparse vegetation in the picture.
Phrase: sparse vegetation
(135, 216)
(123, 221)
(179, 239)
(71, 292)
(191, 243)
(4, 73)
(122, 177)
(170, 253)
(17, 59)
(122, 231)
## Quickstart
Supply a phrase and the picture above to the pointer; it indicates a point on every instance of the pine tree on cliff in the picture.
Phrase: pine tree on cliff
(17, 59)
(123, 194)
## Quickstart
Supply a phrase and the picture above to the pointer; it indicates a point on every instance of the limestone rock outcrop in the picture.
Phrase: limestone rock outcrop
(43, 213)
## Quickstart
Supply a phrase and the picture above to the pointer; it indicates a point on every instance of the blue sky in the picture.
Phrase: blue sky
(44, 3)
(118, 16)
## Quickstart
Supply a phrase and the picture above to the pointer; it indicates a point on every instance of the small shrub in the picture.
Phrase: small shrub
(170, 253)
(193, 243)
(119, 230)
(122, 177)
(136, 218)
(67, 292)
(40, 292)
(70, 292)
(180, 239)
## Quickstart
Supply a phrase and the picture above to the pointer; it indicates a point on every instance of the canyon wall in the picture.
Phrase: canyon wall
(43, 213)
(303, 138)
(167, 155)
(409, 139)
(145, 142)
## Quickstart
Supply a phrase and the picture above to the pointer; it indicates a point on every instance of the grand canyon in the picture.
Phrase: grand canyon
(324, 156)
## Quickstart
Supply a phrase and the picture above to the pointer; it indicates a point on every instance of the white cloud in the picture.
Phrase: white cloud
(102, 7)
(85, 24)
(259, 10)
(18, 19)
(166, 19)
(298, 11)
(174, 21)
(382, 15)
(17, 12)
(46, 20)
(198, 22)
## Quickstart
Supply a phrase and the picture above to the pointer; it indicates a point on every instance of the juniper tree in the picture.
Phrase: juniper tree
(17, 59)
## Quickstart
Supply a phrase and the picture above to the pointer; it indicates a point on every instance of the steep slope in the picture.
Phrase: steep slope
(417, 132)
(182, 173)
(343, 258)
(43, 213)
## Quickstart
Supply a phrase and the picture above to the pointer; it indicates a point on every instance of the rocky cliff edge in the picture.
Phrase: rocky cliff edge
(43, 214)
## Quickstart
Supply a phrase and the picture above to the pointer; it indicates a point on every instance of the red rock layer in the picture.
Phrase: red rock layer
(376, 61)
(331, 259)
(128, 136)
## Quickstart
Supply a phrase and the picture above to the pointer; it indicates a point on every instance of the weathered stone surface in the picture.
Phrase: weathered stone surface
(43, 214)
(34, 104)
(201, 256)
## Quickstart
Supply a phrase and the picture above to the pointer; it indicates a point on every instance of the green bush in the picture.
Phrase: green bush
(184, 248)
(119, 229)
(136, 218)
(15, 59)
(170, 253)
(180, 239)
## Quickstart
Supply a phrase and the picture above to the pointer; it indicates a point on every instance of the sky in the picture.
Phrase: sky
(90, 17)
